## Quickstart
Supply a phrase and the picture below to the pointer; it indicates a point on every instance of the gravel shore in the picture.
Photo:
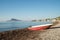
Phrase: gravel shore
(24, 34)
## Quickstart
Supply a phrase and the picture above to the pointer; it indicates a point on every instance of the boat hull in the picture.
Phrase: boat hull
(41, 27)
(38, 28)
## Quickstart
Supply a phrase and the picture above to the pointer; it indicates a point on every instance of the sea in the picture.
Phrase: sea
(13, 25)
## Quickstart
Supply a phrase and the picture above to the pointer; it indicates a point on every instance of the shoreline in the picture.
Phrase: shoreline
(24, 34)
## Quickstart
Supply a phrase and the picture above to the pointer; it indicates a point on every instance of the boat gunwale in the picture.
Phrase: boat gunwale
(40, 25)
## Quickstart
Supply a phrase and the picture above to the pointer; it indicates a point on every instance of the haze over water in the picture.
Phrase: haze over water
(29, 9)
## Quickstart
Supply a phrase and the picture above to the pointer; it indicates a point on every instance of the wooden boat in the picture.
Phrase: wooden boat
(40, 27)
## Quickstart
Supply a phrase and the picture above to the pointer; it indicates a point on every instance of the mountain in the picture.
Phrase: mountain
(13, 19)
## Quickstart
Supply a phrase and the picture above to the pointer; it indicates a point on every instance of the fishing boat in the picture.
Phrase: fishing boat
(40, 27)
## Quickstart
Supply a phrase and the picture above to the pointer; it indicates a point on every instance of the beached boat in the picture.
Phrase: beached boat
(40, 27)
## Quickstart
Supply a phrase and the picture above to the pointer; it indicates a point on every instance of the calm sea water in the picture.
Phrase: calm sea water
(5, 26)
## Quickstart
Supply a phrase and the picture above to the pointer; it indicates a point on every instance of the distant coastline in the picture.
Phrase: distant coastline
(13, 19)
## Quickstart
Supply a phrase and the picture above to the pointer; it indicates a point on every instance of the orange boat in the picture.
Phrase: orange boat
(40, 27)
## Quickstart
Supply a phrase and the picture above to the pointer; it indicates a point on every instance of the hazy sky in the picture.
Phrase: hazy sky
(29, 9)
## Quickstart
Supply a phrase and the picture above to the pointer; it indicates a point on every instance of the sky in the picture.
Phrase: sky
(29, 9)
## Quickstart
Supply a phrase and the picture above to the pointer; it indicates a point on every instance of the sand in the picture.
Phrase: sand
(24, 34)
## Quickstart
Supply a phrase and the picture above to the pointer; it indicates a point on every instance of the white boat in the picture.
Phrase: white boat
(40, 27)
